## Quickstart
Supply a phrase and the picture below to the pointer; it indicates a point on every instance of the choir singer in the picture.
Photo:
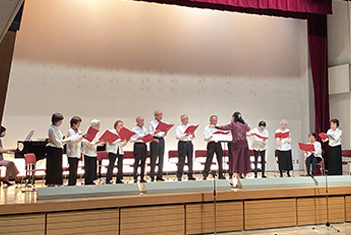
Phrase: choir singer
(213, 146)
(185, 148)
(139, 149)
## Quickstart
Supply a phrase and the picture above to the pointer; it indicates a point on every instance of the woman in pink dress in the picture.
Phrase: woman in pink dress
(240, 163)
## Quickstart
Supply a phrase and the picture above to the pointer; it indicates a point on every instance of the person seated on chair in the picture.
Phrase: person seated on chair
(11, 169)
(313, 157)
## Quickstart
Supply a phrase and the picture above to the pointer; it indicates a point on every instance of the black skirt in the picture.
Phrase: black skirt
(285, 160)
(334, 161)
(54, 166)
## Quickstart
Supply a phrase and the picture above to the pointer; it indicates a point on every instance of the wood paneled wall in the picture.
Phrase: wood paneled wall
(183, 218)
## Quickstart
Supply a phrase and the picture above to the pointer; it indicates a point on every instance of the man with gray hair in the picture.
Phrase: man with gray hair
(185, 148)
(139, 149)
(213, 146)
(157, 149)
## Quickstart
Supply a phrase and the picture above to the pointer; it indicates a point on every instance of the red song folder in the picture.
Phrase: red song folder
(125, 134)
(91, 134)
(109, 137)
(259, 136)
(222, 132)
(306, 147)
(164, 126)
(323, 136)
(148, 138)
(191, 129)
(282, 135)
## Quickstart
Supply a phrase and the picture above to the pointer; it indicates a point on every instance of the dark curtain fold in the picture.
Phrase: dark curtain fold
(318, 48)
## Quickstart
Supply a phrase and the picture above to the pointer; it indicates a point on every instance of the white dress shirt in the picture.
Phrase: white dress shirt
(180, 133)
(152, 128)
(140, 132)
(284, 144)
(317, 149)
(335, 139)
(74, 148)
(56, 137)
(89, 148)
(116, 146)
(209, 136)
(258, 143)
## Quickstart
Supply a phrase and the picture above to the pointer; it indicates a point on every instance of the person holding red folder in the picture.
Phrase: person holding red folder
(240, 163)
(157, 149)
(213, 146)
(185, 148)
(259, 145)
(139, 149)
(282, 135)
(115, 151)
(73, 150)
(313, 157)
(90, 154)
(334, 155)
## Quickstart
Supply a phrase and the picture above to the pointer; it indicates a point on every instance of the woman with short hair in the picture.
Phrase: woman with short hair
(334, 155)
(283, 137)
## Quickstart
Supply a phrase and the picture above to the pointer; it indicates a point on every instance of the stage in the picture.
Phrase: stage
(176, 213)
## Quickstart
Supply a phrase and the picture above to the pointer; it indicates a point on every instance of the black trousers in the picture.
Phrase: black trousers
(54, 166)
(157, 151)
(140, 155)
(261, 153)
(111, 165)
(185, 149)
(312, 160)
(73, 167)
(230, 158)
(90, 167)
(212, 148)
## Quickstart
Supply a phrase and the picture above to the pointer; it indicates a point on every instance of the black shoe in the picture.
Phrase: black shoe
(119, 182)
(205, 178)
(7, 183)
(142, 181)
(263, 176)
(221, 177)
(191, 178)
(289, 175)
(159, 179)
(108, 182)
(179, 179)
(152, 179)
(135, 181)
(255, 176)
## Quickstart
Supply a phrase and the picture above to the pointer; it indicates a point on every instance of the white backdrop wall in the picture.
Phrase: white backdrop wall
(139, 57)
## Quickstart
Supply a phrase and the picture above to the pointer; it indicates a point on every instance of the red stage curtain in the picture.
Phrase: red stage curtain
(271, 7)
(318, 44)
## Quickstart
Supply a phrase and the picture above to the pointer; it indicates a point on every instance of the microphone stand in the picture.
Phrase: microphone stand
(327, 224)
(214, 174)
